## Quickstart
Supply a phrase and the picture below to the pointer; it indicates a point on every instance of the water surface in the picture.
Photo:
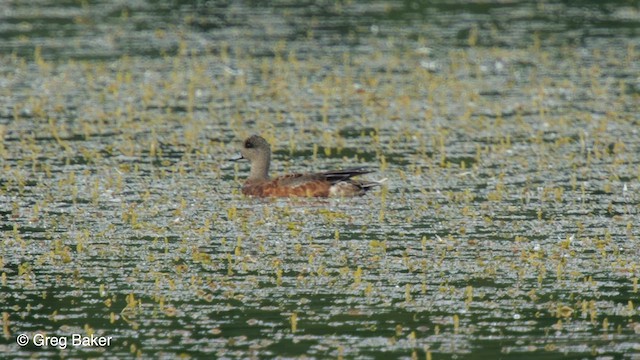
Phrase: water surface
(508, 132)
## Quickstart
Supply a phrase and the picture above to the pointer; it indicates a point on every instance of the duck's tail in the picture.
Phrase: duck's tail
(366, 185)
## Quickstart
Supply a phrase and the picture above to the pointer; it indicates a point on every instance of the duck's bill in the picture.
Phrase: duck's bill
(237, 157)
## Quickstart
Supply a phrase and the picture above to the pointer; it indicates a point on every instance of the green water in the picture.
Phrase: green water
(507, 228)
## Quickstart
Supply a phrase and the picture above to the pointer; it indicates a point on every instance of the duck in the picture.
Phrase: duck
(333, 183)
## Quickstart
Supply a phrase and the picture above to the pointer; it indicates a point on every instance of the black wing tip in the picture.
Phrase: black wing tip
(346, 174)
(353, 170)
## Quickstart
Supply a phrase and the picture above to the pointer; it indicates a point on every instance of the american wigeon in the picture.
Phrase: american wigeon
(337, 183)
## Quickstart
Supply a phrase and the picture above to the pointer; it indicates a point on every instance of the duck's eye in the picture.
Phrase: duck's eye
(248, 145)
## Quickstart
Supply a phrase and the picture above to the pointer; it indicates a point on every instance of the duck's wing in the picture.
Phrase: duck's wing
(352, 187)
(335, 176)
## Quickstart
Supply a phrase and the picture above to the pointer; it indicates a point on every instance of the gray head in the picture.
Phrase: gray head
(257, 150)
